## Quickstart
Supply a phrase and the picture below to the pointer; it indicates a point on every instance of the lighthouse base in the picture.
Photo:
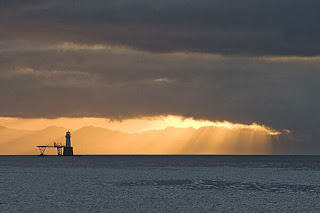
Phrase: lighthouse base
(67, 151)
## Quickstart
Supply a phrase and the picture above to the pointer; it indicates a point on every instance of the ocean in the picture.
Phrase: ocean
(160, 184)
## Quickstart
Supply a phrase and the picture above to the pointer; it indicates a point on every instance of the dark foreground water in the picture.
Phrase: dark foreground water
(160, 184)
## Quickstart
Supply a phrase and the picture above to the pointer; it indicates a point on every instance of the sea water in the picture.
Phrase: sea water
(160, 184)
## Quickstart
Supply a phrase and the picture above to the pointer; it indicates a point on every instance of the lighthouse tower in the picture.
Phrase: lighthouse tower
(68, 149)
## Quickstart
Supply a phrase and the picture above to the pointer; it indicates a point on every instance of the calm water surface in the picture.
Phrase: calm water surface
(160, 184)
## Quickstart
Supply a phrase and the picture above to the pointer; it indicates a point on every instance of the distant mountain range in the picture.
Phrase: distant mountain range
(94, 140)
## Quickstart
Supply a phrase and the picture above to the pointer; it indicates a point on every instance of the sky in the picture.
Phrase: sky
(133, 125)
(243, 62)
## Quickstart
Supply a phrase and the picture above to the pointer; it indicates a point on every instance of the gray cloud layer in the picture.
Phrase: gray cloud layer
(75, 80)
(286, 27)
(137, 58)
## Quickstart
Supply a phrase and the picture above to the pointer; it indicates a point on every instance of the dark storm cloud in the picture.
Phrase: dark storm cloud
(286, 27)
(75, 80)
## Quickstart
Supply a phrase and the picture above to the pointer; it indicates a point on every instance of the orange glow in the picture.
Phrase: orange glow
(146, 135)
(129, 125)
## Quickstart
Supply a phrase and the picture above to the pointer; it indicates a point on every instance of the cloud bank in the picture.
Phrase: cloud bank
(287, 27)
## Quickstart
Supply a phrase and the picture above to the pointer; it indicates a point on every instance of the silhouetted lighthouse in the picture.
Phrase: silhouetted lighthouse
(68, 149)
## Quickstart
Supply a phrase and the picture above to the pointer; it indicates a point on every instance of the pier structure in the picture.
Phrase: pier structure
(56, 145)
(67, 149)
